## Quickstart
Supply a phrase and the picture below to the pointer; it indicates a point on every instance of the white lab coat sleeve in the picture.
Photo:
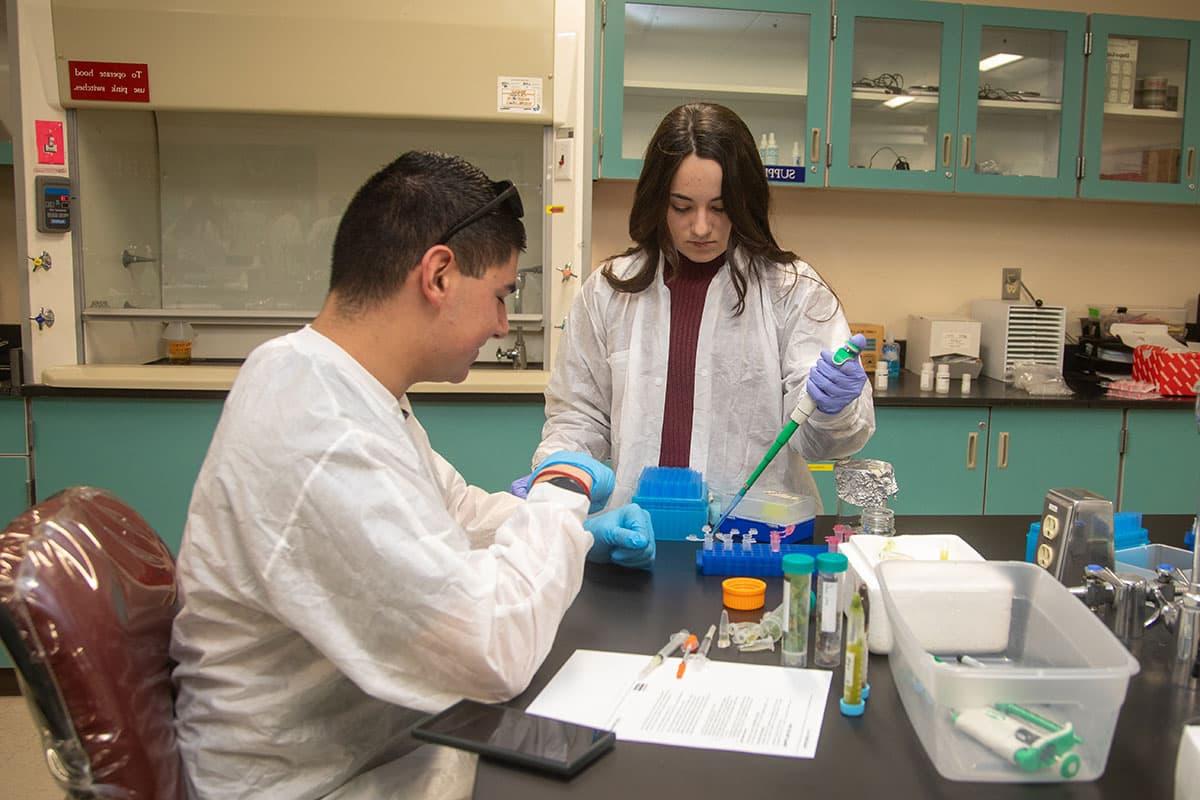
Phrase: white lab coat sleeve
(479, 512)
(811, 320)
(375, 572)
(579, 394)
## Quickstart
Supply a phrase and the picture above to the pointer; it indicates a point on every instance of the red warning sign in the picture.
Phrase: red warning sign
(115, 81)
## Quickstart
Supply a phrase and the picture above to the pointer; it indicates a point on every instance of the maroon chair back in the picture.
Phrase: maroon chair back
(87, 598)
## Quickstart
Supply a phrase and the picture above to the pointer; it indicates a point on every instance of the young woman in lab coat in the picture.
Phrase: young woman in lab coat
(692, 348)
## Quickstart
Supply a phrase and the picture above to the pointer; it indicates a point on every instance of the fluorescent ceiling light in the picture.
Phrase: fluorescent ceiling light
(899, 100)
(998, 60)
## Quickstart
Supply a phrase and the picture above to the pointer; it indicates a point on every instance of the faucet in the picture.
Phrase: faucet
(517, 353)
(518, 307)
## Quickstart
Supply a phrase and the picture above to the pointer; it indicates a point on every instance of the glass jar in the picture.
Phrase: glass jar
(797, 603)
(879, 521)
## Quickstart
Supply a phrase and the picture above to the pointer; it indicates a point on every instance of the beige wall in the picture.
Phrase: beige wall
(890, 254)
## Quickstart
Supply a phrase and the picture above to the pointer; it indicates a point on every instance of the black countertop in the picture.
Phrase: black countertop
(906, 391)
(875, 756)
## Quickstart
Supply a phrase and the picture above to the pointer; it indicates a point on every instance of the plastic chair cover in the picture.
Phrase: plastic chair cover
(87, 597)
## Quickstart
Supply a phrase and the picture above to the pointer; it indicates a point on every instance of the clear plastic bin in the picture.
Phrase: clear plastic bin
(1033, 651)
(1143, 561)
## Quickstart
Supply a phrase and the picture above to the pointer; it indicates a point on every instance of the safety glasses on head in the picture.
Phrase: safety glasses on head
(506, 196)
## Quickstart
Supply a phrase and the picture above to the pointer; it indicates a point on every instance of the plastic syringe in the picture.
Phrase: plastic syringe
(671, 646)
(803, 411)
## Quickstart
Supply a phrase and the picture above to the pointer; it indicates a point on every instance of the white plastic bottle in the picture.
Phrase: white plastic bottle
(772, 149)
(942, 385)
(966, 383)
(881, 376)
(927, 376)
(797, 156)
(762, 148)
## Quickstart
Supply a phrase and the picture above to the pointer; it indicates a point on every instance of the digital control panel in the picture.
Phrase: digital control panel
(53, 203)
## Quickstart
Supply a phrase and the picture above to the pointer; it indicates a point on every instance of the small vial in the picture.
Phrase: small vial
(776, 540)
(827, 651)
(966, 383)
(797, 590)
(747, 540)
(942, 384)
(881, 376)
(752, 536)
(927, 376)
(723, 630)
(708, 537)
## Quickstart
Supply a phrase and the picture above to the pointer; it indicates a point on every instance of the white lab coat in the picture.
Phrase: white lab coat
(339, 577)
(607, 390)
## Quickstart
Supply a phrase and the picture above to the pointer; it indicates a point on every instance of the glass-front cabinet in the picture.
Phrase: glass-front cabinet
(1020, 101)
(765, 59)
(895, 97)
(1143, 110)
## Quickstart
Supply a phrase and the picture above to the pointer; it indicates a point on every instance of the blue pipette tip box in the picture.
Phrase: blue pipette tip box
(852, 710)
(676, 499)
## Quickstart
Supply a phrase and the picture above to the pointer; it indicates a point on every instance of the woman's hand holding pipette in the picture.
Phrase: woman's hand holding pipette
(833, 386)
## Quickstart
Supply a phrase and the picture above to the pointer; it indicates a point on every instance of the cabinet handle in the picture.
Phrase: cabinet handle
(946, 150)
(972, 449)
(1002, 456)
(1191, 163)
(966, 147)
(814, 150)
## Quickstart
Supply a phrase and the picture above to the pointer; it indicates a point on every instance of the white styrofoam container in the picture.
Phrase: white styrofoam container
(1058, 662)
(863, 552)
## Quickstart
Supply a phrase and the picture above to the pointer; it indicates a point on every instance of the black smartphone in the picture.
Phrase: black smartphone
(509, 734)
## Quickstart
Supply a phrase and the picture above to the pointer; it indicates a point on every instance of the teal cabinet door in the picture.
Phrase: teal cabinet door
(895, 95)
(765, 59)
(1033, 450)
(14, 499)
(939, 455)
(1142, 125)
(147, 452)
(489, 442)
(1020, 101)
(12, 426)
(1162, 462)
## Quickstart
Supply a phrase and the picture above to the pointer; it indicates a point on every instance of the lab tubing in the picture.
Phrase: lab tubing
(827, 651)
(797, 589)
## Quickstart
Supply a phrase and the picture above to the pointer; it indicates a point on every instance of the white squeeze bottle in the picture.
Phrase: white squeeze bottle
(797, 159)
(772, 149)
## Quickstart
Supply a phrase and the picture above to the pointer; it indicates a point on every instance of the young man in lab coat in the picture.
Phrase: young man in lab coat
(338, 576)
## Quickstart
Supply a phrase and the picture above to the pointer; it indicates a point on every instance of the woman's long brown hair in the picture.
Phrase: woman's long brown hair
(709, 131)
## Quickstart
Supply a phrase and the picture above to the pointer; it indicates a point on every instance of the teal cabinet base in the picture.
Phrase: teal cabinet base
(146, 452)
(1162, 454)
(490, 443)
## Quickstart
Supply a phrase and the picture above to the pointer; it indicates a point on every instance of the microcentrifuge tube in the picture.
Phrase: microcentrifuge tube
(752, 536)
(708, 537)
(723, 630)
(776, 539)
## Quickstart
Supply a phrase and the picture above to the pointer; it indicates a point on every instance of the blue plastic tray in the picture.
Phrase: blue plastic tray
(760, 562)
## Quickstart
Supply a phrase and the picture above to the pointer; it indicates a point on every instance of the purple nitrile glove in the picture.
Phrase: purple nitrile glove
(833, 388)
(520, 487)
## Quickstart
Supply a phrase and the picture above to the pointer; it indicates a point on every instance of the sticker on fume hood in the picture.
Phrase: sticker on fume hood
(519, 95)
(113, 81)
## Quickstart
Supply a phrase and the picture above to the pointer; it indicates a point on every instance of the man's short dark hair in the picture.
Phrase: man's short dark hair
(400, 212)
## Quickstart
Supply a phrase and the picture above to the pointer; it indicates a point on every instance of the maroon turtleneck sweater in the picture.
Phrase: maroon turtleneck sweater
(688, 287)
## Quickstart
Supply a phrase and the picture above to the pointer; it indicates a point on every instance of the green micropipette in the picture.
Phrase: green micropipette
(804, 409)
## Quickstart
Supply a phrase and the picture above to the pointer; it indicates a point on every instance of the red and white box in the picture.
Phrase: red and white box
(1174, 373)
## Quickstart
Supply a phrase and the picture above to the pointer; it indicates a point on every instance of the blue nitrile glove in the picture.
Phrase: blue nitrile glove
(603, 480)
(520, 487)
(833, 388)
(623, 536)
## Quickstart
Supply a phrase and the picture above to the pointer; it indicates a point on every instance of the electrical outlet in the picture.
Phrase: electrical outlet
(1010, 288)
